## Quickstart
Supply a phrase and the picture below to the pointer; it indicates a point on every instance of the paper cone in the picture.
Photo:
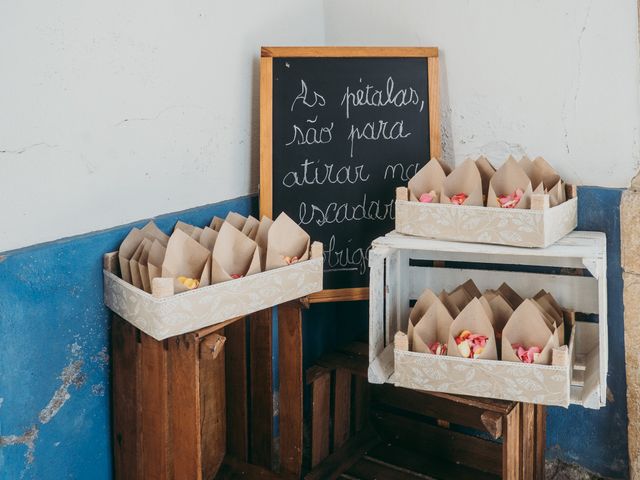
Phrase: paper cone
(551, 181)
(154, 262)
(127, 248)
(528, 328)
(236, 220)
(426, 299)
(548, 305)
(509, 177)
(262, 238)
(474, 319)
(192, 231)
(216, 223)
(464, 179)
(432, 327)
(208, 238)
(185, 257)
(513, 299)
(250, 228)
(453, 309)
(136, 278)
(286, 239)
(460, 298)
(152, 232)
(502, 311)
(144, 267)
(233, 254)
(486, 172)
(428, 178)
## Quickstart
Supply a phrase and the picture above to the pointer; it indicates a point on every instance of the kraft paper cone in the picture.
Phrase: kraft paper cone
(487, 309)
(471, 288)
(528, 328)
(501, 311)
(127, 248)
(509, 177)
(464, 179)
(286, 239)
(216, 223)
(446, 301)
(460, 298)
(250, 228)
(548, 305)
(233, 254)
(152, 232)
(154, 262)
(513, 299)
(208, 238)
(186, 257)
(546, 176)
(136, 277)
(474, 319)
(192, 231)
(527, 165)
(144, 267)
(236, 220)
(262, 238)
(432, 327)
(429, 178)
(486, 172)
(426, 299)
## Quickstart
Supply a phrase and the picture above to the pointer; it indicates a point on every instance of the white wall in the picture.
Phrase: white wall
(115, 111)
(553, 78)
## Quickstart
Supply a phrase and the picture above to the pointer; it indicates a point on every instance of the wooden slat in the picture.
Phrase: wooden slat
(360, 403)
(236, 375)
(527, 440)
(433, 73)
(125, 391)
(343, 458)
(424, 465)
(349, 52)
(427, 404)
(266, 134)
(438, 442)
(212, 399)
(341, 408)
(154, 411)
(290, 392)
(340, 295)
(261, 388)
(320, 411)
(184, 405)
(540, 440)
(511, 445)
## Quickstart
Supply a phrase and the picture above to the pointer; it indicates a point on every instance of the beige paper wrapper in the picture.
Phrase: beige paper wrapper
(471, 288)
(460, 298)
(262, 238)
(234, 253)
(216, 223)
(208, 238)
(474, 319)
(527, 165)
(236, 220)
(429, 178)
(250, 228)
(528, 328)
(556, 317)
(432, 327)
(155, 261)
(425, 300)
(486, 172)
(127, 248)
(134, 267)
(552, 183)
(513, 299)
(192, 231)
(152, 232)
(464, 179)
(506, 180)
(186, 257)
(501, 310)
(144, 267)
(454, 311)
(286, 238)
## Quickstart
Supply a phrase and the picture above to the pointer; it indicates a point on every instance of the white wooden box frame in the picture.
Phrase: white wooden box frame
(393, 284)
(164, 315)
(539, 226)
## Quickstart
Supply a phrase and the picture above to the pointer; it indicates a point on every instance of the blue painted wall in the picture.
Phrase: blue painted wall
(54, 363)
(54, 344)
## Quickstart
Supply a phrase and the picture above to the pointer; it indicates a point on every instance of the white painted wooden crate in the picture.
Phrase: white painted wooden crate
(185, 312)
(535, 227)
(395, 283)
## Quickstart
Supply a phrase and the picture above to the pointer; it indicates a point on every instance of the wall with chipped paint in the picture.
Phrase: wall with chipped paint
(557, 79)
(54, 358)
(116, 111)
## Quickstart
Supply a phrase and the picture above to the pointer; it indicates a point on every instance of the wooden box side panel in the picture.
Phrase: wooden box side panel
(493, 379)
(163, 318)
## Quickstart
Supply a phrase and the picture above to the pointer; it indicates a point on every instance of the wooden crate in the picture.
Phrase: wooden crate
(402, 267)
(539, 226)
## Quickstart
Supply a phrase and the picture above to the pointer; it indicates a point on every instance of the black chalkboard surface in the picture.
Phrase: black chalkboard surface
(345, 132)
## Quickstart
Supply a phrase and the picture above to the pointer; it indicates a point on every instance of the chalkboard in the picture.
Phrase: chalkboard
(344, 132)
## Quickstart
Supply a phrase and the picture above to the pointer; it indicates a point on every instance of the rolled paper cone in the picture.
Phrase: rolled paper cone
(528, 328)
(426, 299)
(286, 239)
(127, 248)
(236, 220)
(233, 254)
(509, 177)
(432, 327)
(474, 319)
(464, 179)
(152, 232)
(429, 178)
(185, 257)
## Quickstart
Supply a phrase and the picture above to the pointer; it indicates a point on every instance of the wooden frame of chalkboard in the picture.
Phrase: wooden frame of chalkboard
(273, 58)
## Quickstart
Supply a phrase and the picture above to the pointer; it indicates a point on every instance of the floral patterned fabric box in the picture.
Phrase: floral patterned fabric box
(539, 226)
